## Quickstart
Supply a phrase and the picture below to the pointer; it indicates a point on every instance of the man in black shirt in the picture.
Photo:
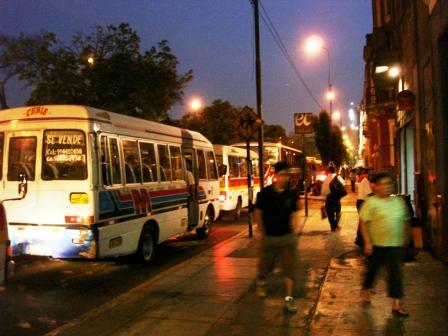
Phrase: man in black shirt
(276, 213)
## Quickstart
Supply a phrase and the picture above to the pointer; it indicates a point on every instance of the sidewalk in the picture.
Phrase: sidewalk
(214, 293)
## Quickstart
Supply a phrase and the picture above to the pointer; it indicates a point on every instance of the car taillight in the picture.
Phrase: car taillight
(79, 219)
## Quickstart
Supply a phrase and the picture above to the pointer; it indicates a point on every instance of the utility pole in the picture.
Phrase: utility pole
(259, 100)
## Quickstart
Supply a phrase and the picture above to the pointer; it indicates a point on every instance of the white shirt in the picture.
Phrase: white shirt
(364, 189)
(326, 184)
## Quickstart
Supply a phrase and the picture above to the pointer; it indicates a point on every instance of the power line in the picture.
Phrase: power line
(266, 19)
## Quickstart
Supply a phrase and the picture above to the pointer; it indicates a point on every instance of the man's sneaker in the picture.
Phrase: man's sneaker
(261, 291)
(290, 304)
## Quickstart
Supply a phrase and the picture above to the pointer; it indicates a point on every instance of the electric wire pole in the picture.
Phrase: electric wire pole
(259, 100)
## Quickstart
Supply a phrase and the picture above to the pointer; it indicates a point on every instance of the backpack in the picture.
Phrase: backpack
(337, 189)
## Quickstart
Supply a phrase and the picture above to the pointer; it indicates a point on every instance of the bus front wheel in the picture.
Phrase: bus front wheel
(147, 245)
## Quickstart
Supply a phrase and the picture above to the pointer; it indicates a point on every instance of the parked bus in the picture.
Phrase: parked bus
(102, 184)
(233, 171)
(275, 152)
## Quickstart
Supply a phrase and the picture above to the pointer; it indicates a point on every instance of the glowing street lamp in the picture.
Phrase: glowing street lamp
(337, 117)
(351, 114)
(313, 45)
(394, 72)
(195, 104)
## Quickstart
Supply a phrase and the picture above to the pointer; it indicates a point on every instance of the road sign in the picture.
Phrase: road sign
(247, 122)
(303, 123)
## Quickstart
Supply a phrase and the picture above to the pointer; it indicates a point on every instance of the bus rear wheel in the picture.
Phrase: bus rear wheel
(147, 246)
(204, 231)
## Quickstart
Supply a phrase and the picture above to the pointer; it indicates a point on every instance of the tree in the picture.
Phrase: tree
(107, 70)
(328, 140)
(274, 133)
(23, 57)
(215, 122)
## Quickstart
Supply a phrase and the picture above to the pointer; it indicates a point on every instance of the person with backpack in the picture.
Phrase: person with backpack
(333, 189)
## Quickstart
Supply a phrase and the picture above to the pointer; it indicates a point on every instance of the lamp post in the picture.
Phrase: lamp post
(312, 45)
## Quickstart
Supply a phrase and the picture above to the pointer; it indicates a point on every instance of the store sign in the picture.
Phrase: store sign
(303, 123)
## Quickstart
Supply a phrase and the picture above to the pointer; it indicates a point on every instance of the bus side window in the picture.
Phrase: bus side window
(243, 167)
(211, 165)
(105, 172)
(149, 167)
(176, 163)
(234, 170)
(104, 161)
(164, 162)
(201, 165)
(115, 161)
(129, 172)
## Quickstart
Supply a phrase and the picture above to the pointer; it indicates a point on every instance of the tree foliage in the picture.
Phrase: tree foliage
(328, 140)
(274, 133)
(22, 57)
(106, 70)
(215, 122)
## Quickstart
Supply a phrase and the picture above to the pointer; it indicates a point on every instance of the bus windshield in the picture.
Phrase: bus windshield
(64, 155)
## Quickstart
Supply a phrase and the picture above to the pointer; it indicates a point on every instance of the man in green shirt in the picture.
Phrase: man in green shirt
(384, 223)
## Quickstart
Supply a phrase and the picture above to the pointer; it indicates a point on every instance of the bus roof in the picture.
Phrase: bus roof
(265, 143)
(103, 119)
(221, 149)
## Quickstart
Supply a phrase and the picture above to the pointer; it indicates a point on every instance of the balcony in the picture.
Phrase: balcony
(383, 46)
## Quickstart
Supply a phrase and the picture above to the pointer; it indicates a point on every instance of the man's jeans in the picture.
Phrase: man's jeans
(333, 207)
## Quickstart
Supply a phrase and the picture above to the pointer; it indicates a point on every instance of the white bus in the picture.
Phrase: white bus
(102, 184)
(233, 165)
(275, 152)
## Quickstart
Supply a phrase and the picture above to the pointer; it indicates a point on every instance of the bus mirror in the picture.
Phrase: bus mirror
(23, 185)
(222, 170)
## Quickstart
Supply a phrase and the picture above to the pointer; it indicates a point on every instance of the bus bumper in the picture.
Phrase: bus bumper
(57, 242)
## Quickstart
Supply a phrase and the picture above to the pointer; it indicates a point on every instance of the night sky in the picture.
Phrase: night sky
(215, 39)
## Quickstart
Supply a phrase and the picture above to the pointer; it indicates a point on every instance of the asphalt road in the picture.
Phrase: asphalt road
(46, 293)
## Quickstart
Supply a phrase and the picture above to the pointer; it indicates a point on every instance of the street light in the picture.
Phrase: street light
(338, 117)
(195, 104)
(313, 45)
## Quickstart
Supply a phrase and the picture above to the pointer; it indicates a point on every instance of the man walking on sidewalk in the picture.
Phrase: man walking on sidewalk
(276, 213)
(332, 202)
(384, 227)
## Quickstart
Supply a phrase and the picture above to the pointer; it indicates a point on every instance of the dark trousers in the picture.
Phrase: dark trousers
(353, 185)
(359, 241)
(392, 258)
(333, 207)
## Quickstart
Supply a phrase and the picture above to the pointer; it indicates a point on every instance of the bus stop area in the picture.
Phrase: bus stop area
(214, 293)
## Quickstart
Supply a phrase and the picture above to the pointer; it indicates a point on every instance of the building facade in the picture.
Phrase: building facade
(406, 106)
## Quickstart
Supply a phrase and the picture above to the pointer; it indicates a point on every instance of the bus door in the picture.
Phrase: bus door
(192, 179)
(20, 158)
